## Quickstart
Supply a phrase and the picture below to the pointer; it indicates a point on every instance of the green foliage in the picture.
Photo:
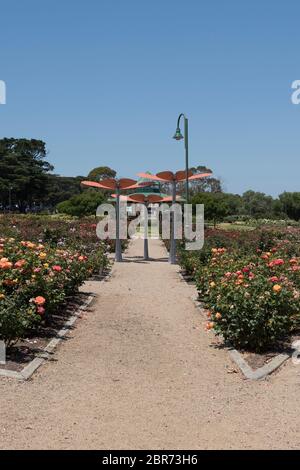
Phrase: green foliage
(23, 171)
(36, 279)
(83, 204)
(61, 188)
(290, 203)
(16, 319)
(101, 173)
(253, 302)
(209, 184)
(257, 204)
(250, 284)
(216, 205)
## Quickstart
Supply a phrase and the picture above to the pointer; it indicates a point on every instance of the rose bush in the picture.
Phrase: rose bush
(35, 279)
(249, 282)
(253, 301)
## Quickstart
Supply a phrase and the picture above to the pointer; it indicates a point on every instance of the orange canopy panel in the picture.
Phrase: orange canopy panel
(93, 184)
(170, 199)
(149, 176)
(139, 185)
(181, 175)
(199, 175)
(111, 183)
(125, 183)
(152, 198)
(123, 198)
(166, 175)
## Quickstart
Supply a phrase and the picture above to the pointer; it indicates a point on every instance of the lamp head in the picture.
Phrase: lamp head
(178, 135)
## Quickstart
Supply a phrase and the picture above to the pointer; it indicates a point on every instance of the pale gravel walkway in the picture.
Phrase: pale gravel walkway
(138, 372)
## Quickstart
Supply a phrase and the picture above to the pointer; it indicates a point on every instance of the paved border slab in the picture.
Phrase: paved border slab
(33, 365)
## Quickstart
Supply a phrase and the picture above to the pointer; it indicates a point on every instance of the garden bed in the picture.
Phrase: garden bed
(27, 349)
(40, 278)
(249, 287)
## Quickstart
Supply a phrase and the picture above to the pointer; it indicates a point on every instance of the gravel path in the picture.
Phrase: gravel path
(139, 372)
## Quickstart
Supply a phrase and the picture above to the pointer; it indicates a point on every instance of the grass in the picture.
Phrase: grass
(241, 227)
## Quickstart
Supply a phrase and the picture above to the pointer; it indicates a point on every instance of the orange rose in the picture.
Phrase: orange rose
(39, 300)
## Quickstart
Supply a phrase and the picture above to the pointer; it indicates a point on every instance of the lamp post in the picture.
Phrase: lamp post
(179, 136)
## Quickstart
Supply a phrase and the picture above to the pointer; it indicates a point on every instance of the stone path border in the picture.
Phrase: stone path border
(235, 355)
(33, 365)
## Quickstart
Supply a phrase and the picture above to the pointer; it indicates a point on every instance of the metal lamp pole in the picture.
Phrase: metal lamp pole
(146, 250)
(179, 136)
(172, 252)
(118, 250)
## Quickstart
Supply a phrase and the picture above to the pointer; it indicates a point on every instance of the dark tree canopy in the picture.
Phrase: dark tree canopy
(101, 173)
(216, 205)
(61, 188)
(23, 171)
(290, 204)
(83, 204)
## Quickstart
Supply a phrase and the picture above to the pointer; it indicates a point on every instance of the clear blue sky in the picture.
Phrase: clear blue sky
(102, 82)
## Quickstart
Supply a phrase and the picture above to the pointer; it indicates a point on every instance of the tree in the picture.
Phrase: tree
(83, 204)
(216, 205)
(23, 171)
(257, 204)
(203, 185)
(290, 203)
(101, 173)
(61, 188)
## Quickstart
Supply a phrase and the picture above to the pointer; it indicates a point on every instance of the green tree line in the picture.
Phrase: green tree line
(28, 184)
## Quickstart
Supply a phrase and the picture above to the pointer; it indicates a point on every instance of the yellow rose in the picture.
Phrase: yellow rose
(277, 288)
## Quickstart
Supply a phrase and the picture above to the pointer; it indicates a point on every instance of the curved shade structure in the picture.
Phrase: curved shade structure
(199, 175)
(124, 183)
(170, 199)
(169, 176)
(92, 184)
(173, 179)
(111, 183)
(122, 197)
(150, 177)
(151, 199)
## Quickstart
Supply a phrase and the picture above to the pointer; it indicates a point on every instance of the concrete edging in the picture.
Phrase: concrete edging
(33, 365)
(246, 369)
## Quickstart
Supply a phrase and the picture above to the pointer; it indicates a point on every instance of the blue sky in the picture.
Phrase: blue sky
(102, 82)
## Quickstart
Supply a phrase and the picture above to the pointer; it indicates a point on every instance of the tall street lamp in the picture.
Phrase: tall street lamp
(179, 136)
